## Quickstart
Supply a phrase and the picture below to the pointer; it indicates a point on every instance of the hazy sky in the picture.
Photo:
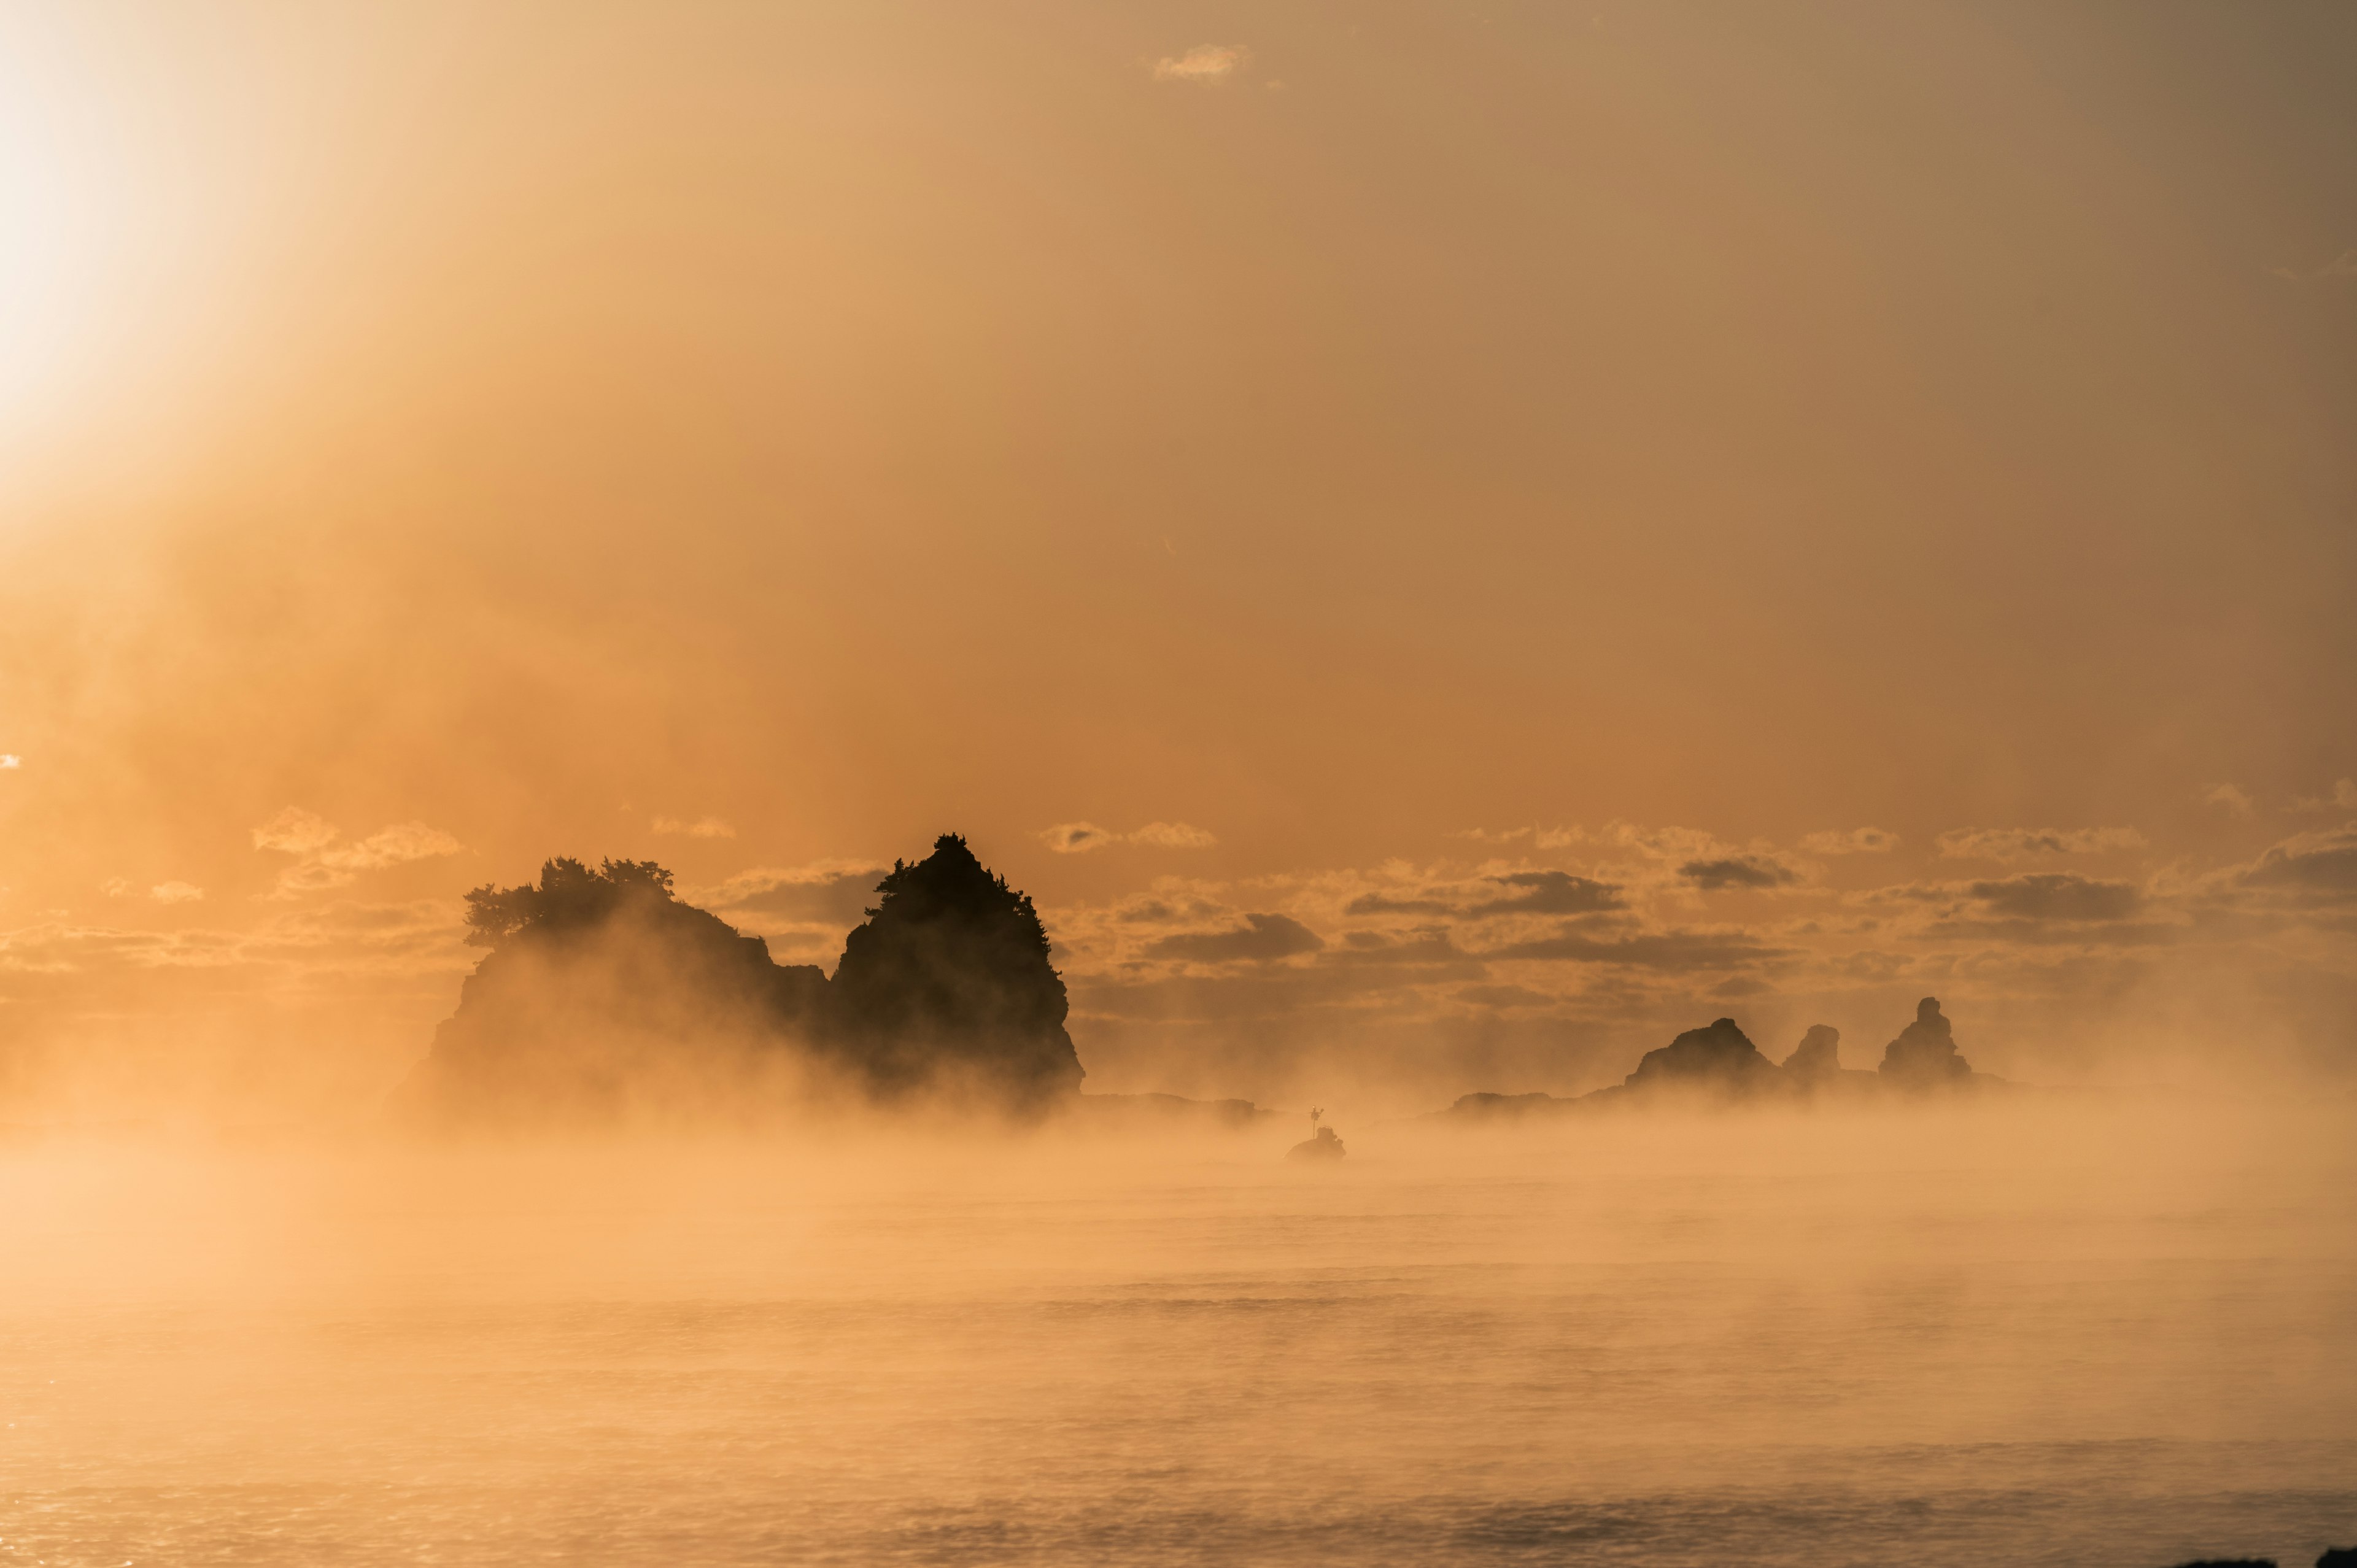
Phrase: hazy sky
(1556, 522)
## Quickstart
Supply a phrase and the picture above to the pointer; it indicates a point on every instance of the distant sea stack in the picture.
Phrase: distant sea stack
(1817, 1057)
(1720, 1058)
(604, 997)
(1814, 1071)
(1721, 1062)
(1924, 1055)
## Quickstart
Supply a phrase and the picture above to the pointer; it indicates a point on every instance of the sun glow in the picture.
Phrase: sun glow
(57, 207)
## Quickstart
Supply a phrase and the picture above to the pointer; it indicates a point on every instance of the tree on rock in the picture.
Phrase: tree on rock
(604, 996)
(948, 983)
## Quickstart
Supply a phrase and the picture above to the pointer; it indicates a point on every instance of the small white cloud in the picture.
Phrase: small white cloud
(2232, 799)
(1207, 65)
(2026, 843)
(1080, 838)
(392, 846)
(176, 893)
(702, 828)
(829, 894)
(1173, 835)
(310, 877)
(10, 759)
(116, 887)
(323, 863)
(1857, 841)
(295, 832)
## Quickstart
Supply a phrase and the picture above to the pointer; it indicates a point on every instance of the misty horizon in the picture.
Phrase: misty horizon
(628, 976)
(1107, 783)
(1449, 954)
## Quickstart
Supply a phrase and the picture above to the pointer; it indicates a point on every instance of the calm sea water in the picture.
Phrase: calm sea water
(2124, 1339)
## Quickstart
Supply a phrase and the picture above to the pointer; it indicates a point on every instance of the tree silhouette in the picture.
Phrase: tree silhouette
(570, 896)
(950, 976)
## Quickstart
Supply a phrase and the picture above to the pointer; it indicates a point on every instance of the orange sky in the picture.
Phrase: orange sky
(1391, 447)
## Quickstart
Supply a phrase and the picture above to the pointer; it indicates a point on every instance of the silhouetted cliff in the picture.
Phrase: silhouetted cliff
(949, 977)
(1815, 1068)
(602, 990)
(604, 996)
(1720, 1058)
(1817, 1057)
(1924, 1055)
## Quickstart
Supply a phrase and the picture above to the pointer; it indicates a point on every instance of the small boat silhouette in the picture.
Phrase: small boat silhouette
(1322, 1145)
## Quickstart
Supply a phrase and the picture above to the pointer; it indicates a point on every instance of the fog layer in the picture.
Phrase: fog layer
(1954, 1337)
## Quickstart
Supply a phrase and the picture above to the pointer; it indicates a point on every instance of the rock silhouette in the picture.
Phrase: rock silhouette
(1721, 1061)
(1817, 1057)
(1485, 1106)
(1719, 1058)
(2338, 1557)
(601, 988)
(1924, 1055)
(604, 995)
(949, 977)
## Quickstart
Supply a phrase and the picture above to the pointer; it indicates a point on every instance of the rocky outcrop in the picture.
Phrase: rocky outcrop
(1924, 1058)
(1720, 1061)
(1817, 1059)
(1813, 1070)
(1486, 1106)
(604, 997)
(1720, 1058)
(948, 983)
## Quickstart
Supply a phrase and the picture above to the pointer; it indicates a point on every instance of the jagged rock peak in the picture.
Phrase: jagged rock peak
(1721, 1056)
(950, 974)
(1924, 1055)
(1817, 1056)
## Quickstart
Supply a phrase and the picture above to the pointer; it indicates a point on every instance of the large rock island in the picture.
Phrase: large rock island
(603, 997)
